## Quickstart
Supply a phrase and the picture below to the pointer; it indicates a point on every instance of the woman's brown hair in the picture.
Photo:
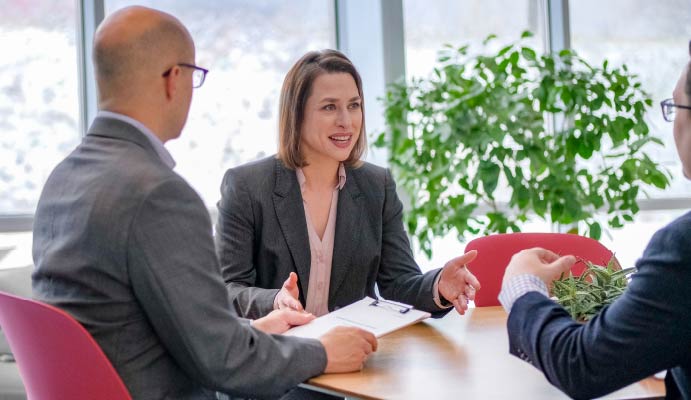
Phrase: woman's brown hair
(297, 87)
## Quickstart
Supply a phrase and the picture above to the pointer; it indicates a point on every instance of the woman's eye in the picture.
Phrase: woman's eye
(354, 106)
(329, 107)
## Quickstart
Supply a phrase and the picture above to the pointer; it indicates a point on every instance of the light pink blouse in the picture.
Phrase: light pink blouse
(321, 250)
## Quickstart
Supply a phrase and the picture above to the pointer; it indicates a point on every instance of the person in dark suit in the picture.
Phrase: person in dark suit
(316, 228)
(125, 245)
(648, 329)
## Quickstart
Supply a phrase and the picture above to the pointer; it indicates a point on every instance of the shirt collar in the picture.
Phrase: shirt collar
(155, 141)
(341, 177)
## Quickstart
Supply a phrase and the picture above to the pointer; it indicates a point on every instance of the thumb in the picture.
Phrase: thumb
(291, 282)
(562, 264)
(295, 318)
(460, 261)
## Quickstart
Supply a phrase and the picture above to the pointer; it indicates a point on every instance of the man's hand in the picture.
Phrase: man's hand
(456, 284)
(289, 295)
(279, 321)
(347, 348)
(542, 263)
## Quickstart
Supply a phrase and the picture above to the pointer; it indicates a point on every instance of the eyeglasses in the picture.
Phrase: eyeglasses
(668, 106)
(198, 75)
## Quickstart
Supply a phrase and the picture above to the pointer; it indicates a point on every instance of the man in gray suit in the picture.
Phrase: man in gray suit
(124, 244)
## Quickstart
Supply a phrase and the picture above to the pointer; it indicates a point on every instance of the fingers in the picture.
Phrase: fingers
(563, 264)
(289, 294)
(470, 292)
(544, 255)
(371, 339)
(472, 280)
(295, 318)
(461, 260)
(288, 302)
(460, 304)
(456, 281)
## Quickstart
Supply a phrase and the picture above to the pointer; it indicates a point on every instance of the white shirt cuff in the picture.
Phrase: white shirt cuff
(437, 296)
(518, 286)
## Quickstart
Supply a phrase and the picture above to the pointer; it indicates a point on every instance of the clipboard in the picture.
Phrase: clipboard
(375, 315)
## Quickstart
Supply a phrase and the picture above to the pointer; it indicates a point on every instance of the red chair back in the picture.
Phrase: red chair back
(494, 253)
(56, 356)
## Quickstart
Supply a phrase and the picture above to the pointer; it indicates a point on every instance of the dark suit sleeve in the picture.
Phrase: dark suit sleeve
(399, 276)
(176, 277)
(235, 244)
(645, 331)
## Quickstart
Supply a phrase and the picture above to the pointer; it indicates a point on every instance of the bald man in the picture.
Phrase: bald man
(124, 244)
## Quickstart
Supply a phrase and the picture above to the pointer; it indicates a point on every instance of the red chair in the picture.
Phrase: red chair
(56, 356)
(494, 253)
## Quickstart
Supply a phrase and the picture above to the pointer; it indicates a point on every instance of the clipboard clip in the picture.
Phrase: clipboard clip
(391, 305)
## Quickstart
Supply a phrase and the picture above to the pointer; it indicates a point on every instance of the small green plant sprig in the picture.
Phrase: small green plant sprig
(586, 295)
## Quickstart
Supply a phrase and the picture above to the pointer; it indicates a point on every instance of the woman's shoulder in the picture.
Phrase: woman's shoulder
(253, 175)
(369, 171)
(370, 178)
(262, 165)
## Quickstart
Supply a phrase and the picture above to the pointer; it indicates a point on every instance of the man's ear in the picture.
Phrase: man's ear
(172, 81)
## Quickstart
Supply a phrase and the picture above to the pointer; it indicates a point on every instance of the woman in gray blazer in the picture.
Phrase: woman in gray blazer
(316, 228)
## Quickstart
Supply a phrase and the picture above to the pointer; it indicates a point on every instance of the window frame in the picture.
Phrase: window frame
(379, 23)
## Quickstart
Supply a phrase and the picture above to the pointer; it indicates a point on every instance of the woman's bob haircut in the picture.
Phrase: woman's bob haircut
(296, 89)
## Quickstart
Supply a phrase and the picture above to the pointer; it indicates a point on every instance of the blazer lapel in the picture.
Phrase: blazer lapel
(291, 217)
(349, 216)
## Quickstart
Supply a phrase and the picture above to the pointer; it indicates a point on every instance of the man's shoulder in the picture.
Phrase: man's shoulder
(121, 169)
(670, 247)
(676, 235)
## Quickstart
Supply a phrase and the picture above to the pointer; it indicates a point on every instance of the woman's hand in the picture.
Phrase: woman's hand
(289, 295)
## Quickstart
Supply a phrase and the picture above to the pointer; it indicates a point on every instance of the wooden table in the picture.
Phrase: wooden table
(456, 357)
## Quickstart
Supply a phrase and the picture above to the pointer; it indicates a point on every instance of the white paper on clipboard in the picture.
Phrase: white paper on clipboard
(377, 316)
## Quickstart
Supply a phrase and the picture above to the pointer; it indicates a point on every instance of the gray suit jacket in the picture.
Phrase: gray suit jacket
(124, 245)
(261, 237)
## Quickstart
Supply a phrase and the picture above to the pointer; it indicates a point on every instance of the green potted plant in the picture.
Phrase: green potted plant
(586, 295)
(520, 135)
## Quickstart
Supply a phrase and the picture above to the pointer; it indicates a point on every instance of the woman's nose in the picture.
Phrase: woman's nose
(343, 119)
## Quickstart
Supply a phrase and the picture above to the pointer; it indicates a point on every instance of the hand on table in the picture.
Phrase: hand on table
(457, 284)
(347, 348)
(279, 321)
(542, 263)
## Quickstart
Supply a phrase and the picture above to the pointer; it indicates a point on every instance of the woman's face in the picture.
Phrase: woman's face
(682, 124)
(332, 119)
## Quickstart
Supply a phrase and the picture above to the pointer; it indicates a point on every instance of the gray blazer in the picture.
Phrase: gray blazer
(124, 245)
(261, 237)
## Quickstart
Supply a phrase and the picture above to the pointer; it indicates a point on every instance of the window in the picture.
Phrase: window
(430, 25)
(39, 112)
(460, 22)
(248, 46)
(652, 38)
(38, 98)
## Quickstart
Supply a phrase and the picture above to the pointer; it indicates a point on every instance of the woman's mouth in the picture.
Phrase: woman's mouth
(341, 140)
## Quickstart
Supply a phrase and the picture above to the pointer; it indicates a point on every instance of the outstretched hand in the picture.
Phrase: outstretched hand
(289, 295)
(457, 284)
